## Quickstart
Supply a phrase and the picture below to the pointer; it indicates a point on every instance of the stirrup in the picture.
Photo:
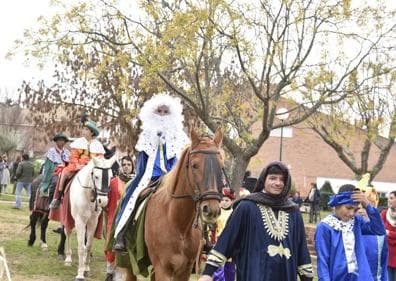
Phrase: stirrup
(119, 247)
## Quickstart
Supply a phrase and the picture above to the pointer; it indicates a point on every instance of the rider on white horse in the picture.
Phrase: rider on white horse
(161, 140)
(82, 151)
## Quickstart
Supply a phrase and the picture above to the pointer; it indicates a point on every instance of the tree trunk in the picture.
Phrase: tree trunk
(238, 170)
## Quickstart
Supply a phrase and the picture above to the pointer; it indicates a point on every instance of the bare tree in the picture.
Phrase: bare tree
(365, 121)
(14, 132)
(233, 62)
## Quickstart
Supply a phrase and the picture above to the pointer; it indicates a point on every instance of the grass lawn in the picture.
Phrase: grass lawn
(31, 263)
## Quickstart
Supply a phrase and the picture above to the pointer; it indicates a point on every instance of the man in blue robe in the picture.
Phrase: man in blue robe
(338, 237)
(265, 234)
(376, 248)
(161, 140)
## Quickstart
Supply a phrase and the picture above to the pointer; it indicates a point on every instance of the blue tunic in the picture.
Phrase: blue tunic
(376, 248)
(332, 263)
(260, 255)
(141, 164)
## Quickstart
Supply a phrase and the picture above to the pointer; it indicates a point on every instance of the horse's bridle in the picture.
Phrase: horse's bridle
(101, 191)
(97, 191)
(196, 193)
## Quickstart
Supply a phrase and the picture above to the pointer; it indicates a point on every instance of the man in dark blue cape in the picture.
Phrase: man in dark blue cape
(265, 234)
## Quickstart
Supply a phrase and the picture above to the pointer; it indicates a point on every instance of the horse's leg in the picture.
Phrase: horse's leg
(81, 230)
(184, 274)
(91, 227)
(161, 274)
(44, 225)
(33, 221)
(68, 260)
(62, 242)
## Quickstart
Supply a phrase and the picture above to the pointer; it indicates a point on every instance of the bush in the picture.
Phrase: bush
(325, 192)
(37, 166)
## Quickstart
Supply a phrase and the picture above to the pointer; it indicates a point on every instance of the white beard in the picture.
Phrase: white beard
(162, 129)
(158, 129)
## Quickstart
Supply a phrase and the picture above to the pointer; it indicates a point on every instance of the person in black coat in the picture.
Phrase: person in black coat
(313, 199)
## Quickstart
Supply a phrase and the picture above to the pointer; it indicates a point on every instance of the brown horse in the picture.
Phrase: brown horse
(189, 194)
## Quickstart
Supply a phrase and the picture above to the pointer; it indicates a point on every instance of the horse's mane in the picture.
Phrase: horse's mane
(171, 178)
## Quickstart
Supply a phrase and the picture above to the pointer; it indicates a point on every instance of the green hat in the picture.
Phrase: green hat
(60, 136)
(92, 126)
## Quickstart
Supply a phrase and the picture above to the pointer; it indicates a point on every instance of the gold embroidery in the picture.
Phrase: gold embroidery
(216, 258)
(276, 228)
(278, 250)
(306, 270)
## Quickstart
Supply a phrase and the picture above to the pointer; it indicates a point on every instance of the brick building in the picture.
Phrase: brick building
(310, 159)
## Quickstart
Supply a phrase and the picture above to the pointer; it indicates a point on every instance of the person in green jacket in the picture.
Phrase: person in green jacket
(24, 175)
(57, 159)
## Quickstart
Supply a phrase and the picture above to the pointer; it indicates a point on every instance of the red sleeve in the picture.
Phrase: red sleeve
(391, 231)
(75, 155)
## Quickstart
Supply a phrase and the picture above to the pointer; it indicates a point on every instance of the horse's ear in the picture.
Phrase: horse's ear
(218, 137)
(194, 138)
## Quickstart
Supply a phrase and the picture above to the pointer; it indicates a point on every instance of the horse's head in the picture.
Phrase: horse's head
(205, 172)
(101, 175)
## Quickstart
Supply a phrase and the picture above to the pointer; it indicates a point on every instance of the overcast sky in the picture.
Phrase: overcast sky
(15, 16)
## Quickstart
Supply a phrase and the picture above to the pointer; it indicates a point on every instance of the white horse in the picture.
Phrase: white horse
(87, 196)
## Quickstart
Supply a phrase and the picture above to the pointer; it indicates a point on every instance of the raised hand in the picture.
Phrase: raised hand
(360, 197)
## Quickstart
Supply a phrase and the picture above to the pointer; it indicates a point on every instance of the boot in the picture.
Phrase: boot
(119, 243)
(60, 186)
(56, 202)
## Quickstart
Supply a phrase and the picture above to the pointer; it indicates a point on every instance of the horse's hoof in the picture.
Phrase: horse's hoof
(58, 230)
(30, 243)
(79, 279)
(68, 263)
(44, 247)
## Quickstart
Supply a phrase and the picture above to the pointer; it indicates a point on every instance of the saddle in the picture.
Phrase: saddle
(144, 194)
(151, 188)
